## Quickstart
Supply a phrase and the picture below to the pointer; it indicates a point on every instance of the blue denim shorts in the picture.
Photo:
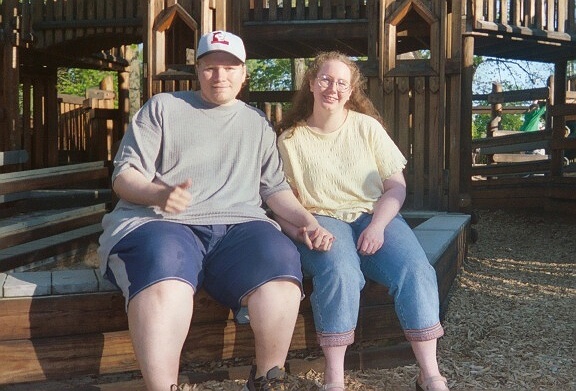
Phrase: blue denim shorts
(228, 261)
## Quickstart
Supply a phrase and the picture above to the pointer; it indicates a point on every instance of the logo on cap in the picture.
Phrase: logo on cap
(218, 37)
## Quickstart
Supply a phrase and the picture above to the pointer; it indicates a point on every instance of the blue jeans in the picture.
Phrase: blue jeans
(339, 275)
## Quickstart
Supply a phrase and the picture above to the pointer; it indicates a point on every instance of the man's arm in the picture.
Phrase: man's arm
(297, 222)
(132, 186)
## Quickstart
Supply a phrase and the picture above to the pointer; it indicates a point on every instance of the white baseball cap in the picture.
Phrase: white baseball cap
(221, 41)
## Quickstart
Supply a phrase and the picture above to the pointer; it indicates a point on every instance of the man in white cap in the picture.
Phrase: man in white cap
(192, 172)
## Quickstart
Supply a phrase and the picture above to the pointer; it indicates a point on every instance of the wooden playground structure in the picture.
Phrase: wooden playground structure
(52, 145)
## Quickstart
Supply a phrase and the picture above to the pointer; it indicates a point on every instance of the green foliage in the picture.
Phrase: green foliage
(270, 75)
(479, 125)
(76, 81)
(511, 121)
(508, 122)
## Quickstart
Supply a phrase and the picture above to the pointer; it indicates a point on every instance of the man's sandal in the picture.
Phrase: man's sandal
(432, 384)
(333, 386)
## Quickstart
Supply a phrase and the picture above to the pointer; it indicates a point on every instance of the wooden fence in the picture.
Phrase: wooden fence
(88, 128)
(274, 10)
(557, 17)
(508, 171)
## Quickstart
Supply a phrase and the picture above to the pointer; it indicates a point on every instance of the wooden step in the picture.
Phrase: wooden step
(27, 253)
(55, 337)
(22, 229)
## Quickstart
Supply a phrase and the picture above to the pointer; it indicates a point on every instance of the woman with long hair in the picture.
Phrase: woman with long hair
(347, 171)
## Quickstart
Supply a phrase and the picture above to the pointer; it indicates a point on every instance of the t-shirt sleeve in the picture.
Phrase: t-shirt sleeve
(389, 158)
(140, 145)
(272, 177)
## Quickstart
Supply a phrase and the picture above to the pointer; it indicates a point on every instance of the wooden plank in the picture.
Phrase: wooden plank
(100, 14)
(523, 168)
(29, 229)
(61, 315)
(300, 10)
(420, 126)
(326, 9)
(69, 14)
(13, 157)
(286, 10)
(340, 9)
(510, 138)
(514, 95)
(48, 358)
(272, 10)
(435, 143)
(258, 11)
(520, 147)
(52, 177)
(518, 157)
(312, 9)
(27, 253)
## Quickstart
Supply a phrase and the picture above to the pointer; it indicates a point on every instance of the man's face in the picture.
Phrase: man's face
(221, 76)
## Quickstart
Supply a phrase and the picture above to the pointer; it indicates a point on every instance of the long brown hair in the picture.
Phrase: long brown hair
(303, 101)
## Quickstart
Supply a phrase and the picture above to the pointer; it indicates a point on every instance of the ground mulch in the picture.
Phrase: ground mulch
(511, 319)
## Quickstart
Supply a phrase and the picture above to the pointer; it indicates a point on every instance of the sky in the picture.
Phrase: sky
(514, 74)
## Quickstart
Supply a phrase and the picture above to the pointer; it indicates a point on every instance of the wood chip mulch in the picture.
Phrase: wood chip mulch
(511, 320)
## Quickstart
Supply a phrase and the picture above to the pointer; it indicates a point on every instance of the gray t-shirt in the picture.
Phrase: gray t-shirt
(229, 152)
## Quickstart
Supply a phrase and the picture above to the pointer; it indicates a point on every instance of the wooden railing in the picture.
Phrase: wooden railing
(87, 127)
(302, 10)
(51, 22)
(552, 16)
(504, 151)
(504, 174)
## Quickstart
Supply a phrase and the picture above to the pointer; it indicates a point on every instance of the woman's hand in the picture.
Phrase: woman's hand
(370, 240)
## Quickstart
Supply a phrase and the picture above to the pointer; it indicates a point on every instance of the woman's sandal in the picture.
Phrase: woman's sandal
(333, 386)
(428, 384)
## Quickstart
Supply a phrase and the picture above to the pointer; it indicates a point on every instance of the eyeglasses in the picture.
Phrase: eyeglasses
(326, 81)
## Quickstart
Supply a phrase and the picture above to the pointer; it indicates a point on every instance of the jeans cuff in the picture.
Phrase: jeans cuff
(427, 334)
(339, 339)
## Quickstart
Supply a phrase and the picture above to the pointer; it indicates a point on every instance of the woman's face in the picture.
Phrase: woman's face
(331, 87)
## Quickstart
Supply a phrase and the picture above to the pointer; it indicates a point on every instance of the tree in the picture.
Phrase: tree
(76, 81)
(513, 74)
(270, 75)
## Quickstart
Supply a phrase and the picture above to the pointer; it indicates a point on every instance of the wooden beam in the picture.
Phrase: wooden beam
(52, 177)
(13, 157)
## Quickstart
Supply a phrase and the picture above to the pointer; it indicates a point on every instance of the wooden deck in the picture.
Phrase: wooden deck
(58, 336)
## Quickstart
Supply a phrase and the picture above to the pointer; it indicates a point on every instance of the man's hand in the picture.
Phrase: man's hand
(177, 198)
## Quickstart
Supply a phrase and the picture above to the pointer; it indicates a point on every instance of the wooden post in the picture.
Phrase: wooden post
(454, 118)
(123, 105)
(298, 70)
(105, 149)
(268, 110)
(466, 117)
(10, 126)
(496, 116)
(277, 113)
(51, 116)
(559, 123)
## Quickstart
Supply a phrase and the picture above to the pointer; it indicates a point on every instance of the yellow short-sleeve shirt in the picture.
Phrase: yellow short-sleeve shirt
(340, 174)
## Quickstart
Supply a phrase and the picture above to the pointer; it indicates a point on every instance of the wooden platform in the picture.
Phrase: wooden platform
(59, 336)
